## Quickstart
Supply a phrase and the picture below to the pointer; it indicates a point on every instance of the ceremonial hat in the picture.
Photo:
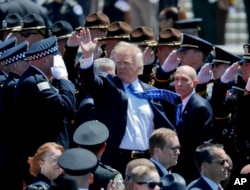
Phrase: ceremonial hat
(195, 42)
(78, 161)
(173, 181)
(31, 21)
(7, 44)
(169, 37)
(61, 29)
(192, 23)
(97, 20)
(42, 48)
(118, 30)
(142, 35)
(14, 54)
(246, 55)
(222, 56)
(10, 21)
(91, 133)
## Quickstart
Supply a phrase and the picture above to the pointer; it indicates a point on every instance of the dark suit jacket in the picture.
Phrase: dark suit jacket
(196, 127)
(199, 184)
(111, 105)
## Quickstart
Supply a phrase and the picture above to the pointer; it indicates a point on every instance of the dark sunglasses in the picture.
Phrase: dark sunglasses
(175, 148)
(151, 184)
(220, 162)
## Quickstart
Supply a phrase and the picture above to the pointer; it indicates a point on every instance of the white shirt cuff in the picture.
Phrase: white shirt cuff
(86, 62)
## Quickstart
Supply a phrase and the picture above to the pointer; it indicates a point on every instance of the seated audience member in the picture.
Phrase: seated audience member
(164, 148)
(173, 181)
(212, 162)
(92, 135)
(43, 165)
(145, 177)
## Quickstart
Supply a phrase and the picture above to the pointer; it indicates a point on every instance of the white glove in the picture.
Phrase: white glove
(122, 5)
(230, 73)
(248, 85)
(148, 56)
(205, 74)
(59, 70)
(171, 62)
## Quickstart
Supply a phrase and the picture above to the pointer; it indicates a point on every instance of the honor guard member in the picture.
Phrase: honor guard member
(4, 46)
(78, 164)
(10, 21)
(92, 135)
(189, 26)
(33, 29)
(168, 40)
(14, 63)
(144, 37)
(68, 10)
(117, 31)
(38, 103)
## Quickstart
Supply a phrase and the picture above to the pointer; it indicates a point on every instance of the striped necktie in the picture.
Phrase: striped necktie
(162, 94)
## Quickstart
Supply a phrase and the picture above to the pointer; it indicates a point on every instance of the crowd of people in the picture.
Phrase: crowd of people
(102, 104)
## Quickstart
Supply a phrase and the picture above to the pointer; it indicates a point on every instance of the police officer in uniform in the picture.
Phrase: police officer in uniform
(92, 135)
(68, 10)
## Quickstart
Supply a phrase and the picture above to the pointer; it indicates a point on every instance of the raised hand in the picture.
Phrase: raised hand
(230, 73)
(205, 74)
(85, 42)
(72, 40)
(148, 56)
(59, 70)
(171, 62)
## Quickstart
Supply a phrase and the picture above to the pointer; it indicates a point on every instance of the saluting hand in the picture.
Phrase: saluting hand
(85, 42)
(148, 56)
(205, 74)
(171, 62)
(230, 73)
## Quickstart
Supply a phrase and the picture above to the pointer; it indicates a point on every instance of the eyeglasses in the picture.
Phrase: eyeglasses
(52, 160)
(127, 177)
(151, 184)
(27, 34)
(220, 162)
(174, 149)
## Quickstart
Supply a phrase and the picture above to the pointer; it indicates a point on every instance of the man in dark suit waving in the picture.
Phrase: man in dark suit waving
(130, 119)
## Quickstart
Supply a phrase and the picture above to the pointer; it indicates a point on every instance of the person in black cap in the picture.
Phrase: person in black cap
(4, 46)
(39, 103)
(11, 20)
(62, 30)
(13, 62)
(233, 110)
(173, 181)
(78, 164)
(189, 26)
(92, 135)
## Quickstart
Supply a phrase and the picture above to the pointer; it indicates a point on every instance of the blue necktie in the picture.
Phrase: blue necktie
(169, 96)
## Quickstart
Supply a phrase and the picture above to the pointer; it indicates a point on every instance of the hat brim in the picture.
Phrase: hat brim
(243, 61)
(184, 48)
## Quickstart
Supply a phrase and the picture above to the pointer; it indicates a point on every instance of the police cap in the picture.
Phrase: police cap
(91, 133)
(10, 21)
(7, 44)
(173, 181)
(194, 42)
(78, 161)
(192, 23)
(142, 35)
(97, 20)
(118, 30)
(42, 48)
(31, 21)
(61, 29)
(14, 54)
(221, 56)
(169, 37)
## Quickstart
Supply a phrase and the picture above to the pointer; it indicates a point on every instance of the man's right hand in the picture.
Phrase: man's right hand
(171, 62)
(230, 73)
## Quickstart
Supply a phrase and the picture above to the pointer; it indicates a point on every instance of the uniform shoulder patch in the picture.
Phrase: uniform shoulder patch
(43, 85)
